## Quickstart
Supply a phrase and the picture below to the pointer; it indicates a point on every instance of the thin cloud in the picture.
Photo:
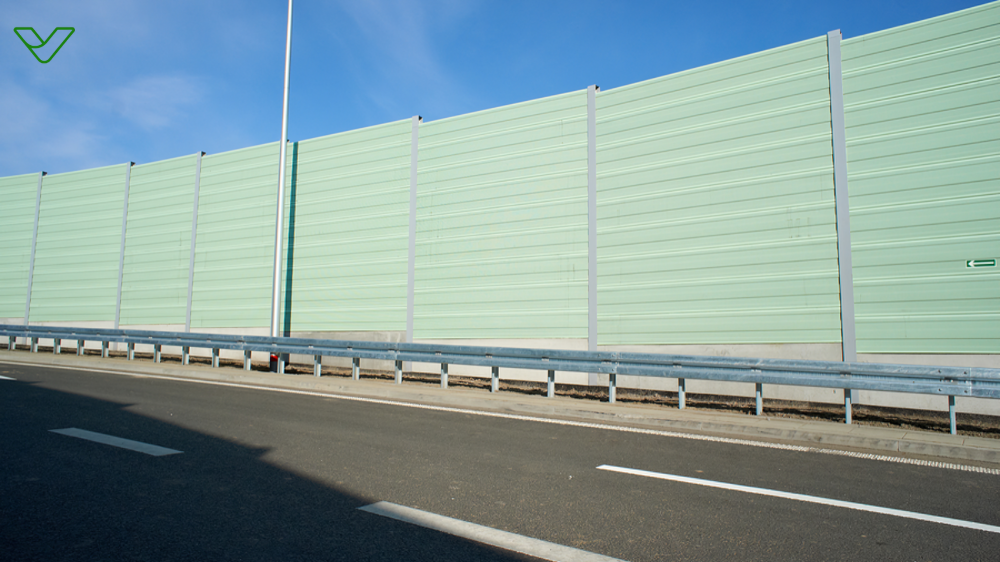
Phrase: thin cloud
(401, 33)
(155, 102)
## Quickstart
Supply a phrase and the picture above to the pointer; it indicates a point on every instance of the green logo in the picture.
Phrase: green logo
(35, 48)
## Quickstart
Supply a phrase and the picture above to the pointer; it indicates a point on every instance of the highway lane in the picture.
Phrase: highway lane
(266, 475)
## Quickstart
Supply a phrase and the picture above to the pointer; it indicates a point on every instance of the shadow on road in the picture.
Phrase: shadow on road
(63, 498)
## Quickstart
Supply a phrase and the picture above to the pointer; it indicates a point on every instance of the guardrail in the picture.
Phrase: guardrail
(947, 381)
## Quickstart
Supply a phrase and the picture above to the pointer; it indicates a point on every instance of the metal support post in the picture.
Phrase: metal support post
(185, 355)
(847, 406)
(34, 245)
(760, 398)
(56, 346)
(952, 417)
(215, 357)
(495, 380)
(105, 349)
(131, 351)
(281, 363)
(841, 201)
(34, 345)
(444, 375)
(551, 387)
(121, 252)
(156, 353)
(592, 224)
(12, 343)
(399, 372)
(318, 365)
(247, 356)
(612, 387)
(356, 368)
(681, 393)
(79, 347)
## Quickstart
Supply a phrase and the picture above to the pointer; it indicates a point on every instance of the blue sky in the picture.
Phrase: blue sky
(143, 81)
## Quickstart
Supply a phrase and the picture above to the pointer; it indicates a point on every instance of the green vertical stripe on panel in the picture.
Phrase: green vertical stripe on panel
(716, 216)
(158, 242)
(234, 250)
(79, 246)
(346, 226)
(17, 220)
(501, 248)
(923, 143)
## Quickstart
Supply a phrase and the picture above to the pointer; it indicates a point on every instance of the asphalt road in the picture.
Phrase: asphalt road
(276, 476)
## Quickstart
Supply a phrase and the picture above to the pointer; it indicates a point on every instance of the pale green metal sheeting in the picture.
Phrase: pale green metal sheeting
(157, 242)
(17, 219)
(501, 249)
(234, 246)
(716, 215)
(346, 228)
(79, 246)
(922, 105)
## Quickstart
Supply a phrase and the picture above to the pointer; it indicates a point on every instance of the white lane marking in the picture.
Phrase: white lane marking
(139, 446)
(6, 378)
(608, 427)
(487, 535)
(805, 498)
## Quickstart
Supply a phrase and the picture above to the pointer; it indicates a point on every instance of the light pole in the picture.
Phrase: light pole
(280, 221)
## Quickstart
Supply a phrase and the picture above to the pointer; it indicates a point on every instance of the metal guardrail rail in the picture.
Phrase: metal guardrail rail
(976, 382)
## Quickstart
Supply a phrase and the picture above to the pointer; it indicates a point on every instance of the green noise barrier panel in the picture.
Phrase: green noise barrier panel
(17, 222)
(157, 242)
(716, 219)
(79, 246)
(501, 249)
(922, 105)
(234, 246)
(346, 227)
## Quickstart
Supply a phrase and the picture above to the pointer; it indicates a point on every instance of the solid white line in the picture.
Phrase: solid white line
(487, 535)
(608, 427)
(7, 378)
(805, 498)
(154, 450)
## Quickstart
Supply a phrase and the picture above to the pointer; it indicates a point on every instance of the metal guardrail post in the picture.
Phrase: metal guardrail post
(105, 349)
(550, 390)
(12, 344)
(247, 356)
(131, 351)
(495, 379)
(185, 355)
(356, 368)
(215, 357)
(952, 418)
(399, 372)
(681, 393)
(79, 346)
(317, 365)
(34, 345)
(847, 406)
(760, 398)
(444, 375)
(612, 387)
(56, 346)
(156, 353)
(281, 363)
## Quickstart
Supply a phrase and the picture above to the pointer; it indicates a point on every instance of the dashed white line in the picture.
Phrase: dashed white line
(805, 498)
(486, 535)
(139, 446)
(6, 378)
